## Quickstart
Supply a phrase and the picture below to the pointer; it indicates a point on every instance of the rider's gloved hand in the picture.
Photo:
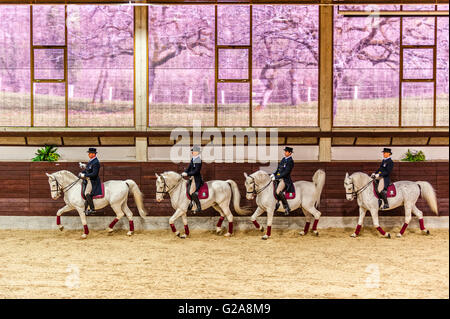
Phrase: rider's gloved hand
(184, 174)
(272, 177)
(81, 175)
(373, 175)
(377, 175)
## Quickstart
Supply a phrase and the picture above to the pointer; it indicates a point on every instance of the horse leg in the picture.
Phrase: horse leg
(84, 222)
(419, 215)
(186, 227)
(362, 214)
(269, 224)
(61, 211)
(256, 214)
(221, 219)
(374, 213)
(308, 222)
(226, 210)
(316, 215)
(129, 214)
(407, 220)
(172, 220)
(119, 214)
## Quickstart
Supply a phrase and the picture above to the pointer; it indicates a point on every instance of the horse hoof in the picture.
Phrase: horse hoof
(399, 235)
(129, 233)
(184, 236)
(177, 234)
(84, 236)
(425, 232)
(316, 233)
(353, 235)
(61, 227)
(387, 235)
(302, 233)
(227, 234)
(265, 237)
(218, 230)
(110, 230)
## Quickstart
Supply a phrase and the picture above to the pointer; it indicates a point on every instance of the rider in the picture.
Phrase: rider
(193, 171)
(384, 173)
(282, 178)
(91, 171)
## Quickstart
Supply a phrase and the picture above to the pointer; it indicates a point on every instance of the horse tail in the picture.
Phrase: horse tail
(237, 199)
(319, 182)
(427, 192)
(138, 196)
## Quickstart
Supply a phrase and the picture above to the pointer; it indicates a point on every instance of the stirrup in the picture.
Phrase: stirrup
(277, 205)
(89, 212)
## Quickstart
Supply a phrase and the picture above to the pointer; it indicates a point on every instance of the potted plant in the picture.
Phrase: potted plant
(414, 156)
(47, 154)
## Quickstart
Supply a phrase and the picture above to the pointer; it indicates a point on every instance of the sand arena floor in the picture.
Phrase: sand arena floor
(155, 264)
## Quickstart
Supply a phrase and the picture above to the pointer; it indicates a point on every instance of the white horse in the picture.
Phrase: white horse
(116, 195)
(307, 197)
(219, 198)
(407, 193)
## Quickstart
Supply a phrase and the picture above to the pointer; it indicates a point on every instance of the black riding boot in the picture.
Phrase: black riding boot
(91, 205)
(383, 195)
(194, 197)
(285, 203)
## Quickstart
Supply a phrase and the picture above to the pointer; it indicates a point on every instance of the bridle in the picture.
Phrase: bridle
(164, 191)
(60, 188)
(255, 192)
(357, 192)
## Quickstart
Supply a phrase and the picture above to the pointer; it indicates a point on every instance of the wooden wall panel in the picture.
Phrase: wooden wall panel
(25, 190)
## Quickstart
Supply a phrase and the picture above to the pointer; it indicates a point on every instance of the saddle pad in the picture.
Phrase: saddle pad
(96, 196)
(287, 195)
(203, 192)
(391, 191)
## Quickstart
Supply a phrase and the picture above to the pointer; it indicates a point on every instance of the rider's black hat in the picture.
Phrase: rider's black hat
(92, 150)
(288, 149)
(195, 148)
(387, 150)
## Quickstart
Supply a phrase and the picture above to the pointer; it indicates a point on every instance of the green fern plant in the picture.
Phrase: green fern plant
(414, 156)
(47, 154)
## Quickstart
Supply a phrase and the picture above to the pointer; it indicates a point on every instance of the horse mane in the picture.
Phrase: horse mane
(360, 176)
(65, 174)
(260, 175)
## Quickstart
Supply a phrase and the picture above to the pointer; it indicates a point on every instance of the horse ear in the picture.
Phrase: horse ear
(346, 175)
(245, 174)
(48, 174)
(157, 176)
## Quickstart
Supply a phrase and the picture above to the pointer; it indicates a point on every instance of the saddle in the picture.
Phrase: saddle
(287, 195)
(203, 192)
(391, 190)
(96, 196)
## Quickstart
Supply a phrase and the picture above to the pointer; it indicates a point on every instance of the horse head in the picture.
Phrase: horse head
(349, 187)
(55, 186)
(165, 183)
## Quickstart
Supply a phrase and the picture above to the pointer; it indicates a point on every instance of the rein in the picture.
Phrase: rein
(255, 192)
(359, 190)
(166, 186)
(60, 189)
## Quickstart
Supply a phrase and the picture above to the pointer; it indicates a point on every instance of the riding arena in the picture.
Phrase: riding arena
(224, 150)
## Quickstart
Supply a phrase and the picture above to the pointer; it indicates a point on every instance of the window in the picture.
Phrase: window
(15, 71)
(181, 65)
(100, 65)
(390, 71)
